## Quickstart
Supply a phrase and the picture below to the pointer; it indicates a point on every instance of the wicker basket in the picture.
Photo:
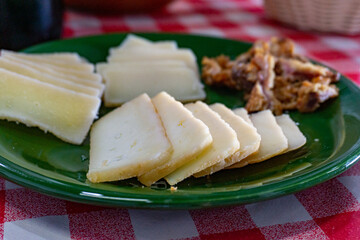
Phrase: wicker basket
(340, 16)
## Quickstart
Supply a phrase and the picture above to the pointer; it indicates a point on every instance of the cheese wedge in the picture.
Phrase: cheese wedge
(224, 144)
(127, 142)
(66, 114)
(243, 113)
(102, 67)
(163, 45)
(65, 72)
(64, 56)
(125, 83)
(273, 141)
(295, 137)
(80, 66)
(151, 54)
(246, 134)
(43, 77)
(57, 74)
(134, 41)
(188, 135)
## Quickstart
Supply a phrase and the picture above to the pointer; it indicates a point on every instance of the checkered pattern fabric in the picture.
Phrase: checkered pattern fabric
(330, 210)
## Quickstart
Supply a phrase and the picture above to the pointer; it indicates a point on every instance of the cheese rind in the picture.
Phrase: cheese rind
(79, 66)
(273, 141)
(224, 144)
(246, 134)
(123, 84)
(295, 137)
(66, 114)
(43, 77)
(188, 135)
(127, 142)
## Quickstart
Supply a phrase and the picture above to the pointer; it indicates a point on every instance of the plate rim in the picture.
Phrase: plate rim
(43, 184)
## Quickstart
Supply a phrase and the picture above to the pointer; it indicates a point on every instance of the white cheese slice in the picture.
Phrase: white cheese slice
(127, 142)
(295, 137)
(29, 72)
(58, 74)
(69, 73)
(273, 141)
(66, 114)
(246, 134)
(163, 45)
(224, 144)
(102, 67)
(188, 135)
(79, 66)
(152, 54)
(134, 41)
(64, 56)
(243, 113)
(125, 83)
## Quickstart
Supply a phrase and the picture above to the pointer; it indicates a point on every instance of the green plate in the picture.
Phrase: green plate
(46, 164)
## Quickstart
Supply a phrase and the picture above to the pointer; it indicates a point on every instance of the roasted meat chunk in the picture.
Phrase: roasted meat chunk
(274, 77)
(217, 71)
(311, 94)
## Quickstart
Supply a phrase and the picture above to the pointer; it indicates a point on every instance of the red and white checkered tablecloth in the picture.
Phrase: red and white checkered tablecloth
(330, 210)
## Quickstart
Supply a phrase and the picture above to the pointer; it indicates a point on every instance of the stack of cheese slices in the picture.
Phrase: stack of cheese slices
(140, 66)
(161, 138)
(58, 92)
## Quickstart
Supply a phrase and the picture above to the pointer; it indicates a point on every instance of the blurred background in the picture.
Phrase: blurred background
(27, 22)
(326, 30)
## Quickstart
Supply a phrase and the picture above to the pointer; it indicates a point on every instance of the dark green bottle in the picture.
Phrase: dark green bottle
(27, 22)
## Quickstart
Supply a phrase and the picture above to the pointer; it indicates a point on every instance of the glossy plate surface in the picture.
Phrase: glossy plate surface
(46, 164)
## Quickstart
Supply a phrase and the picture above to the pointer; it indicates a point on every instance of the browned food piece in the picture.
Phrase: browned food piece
(259, 69)
(286, 92)
(282, 47)
(273, 77)
(261, 98)
(217, 71)
(245, 75)
(312, 94)
(301, 86)
(258, 82)
(277, 47)
(257, 99)
(300, 71)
